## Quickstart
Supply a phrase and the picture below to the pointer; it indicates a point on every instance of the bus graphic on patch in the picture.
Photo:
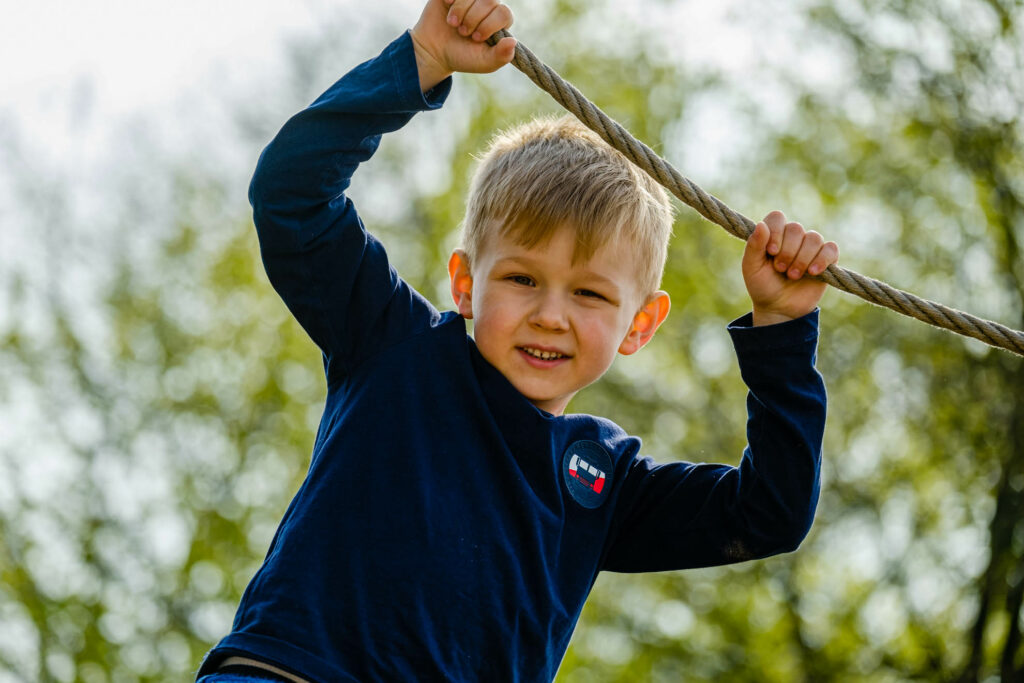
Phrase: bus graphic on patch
(586, 474)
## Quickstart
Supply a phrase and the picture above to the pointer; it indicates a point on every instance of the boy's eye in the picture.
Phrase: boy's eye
(590, 293)
(521, 280)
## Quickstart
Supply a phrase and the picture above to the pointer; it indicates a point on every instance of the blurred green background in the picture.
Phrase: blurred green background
(158, 404)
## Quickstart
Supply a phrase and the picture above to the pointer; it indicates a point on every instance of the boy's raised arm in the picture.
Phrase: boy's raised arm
(334, 276)
(682, 515)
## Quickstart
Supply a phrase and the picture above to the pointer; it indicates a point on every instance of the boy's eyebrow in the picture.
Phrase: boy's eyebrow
(585, 272)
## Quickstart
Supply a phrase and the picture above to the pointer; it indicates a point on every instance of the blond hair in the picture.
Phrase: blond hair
(554, 172)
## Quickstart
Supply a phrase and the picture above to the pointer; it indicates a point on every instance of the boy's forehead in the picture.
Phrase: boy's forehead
(563, 241)
(586, 241)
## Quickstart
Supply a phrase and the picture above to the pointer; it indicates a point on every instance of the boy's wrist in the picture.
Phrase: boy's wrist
(749, 338)
(430, 70)
(761, 317)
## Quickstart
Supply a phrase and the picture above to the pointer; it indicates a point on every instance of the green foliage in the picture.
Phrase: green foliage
(155, 433)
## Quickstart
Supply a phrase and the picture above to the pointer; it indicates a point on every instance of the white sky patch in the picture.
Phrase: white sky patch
(137, 54)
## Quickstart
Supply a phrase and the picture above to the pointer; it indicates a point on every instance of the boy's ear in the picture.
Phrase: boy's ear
(461, 282)
(646, 322)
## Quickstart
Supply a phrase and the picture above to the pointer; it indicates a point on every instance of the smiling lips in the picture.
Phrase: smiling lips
(541, 354)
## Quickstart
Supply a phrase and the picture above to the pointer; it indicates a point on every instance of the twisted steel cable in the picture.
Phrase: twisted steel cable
(738, 225)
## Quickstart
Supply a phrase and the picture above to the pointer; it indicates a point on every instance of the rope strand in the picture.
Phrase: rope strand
(738, 225)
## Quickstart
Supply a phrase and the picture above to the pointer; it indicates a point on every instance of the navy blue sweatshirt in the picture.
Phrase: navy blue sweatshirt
(447, 529)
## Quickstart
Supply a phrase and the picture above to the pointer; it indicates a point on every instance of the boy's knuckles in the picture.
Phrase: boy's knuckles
(810, 251)
(474, 16)
(492, 24)
(503, 17)
(833, 251)
(498, 18)
(478, 20)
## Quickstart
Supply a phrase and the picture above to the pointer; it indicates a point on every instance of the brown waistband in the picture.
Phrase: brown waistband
(254, 667)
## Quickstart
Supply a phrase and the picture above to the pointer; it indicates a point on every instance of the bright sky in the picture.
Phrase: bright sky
(136, 53)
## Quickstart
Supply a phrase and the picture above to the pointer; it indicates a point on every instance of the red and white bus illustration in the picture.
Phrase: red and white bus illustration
(586, 474)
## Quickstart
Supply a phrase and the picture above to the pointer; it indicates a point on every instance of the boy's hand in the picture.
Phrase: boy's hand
(451, 36)
(777, 256)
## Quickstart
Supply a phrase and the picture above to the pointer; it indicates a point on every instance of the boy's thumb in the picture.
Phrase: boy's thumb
(756, 251)
(504, 51)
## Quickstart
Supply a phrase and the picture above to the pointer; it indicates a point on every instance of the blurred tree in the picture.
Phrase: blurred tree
(135, 508)
(926, 143)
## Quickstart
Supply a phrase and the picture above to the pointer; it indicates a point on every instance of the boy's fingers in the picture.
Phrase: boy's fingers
(457, 10)
(827, 255)
(775, 221)
(792, 237)
(499, 18)
(795, 250)
(476, 13)
(809, 248)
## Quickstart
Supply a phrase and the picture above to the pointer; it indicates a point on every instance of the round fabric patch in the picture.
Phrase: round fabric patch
(587, 471)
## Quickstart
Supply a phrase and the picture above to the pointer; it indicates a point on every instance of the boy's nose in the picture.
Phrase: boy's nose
(550, 313)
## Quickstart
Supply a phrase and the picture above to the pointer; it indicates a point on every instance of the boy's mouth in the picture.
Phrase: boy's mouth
(541, 354)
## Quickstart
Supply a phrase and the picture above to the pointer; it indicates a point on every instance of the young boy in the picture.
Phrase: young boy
(453, 519)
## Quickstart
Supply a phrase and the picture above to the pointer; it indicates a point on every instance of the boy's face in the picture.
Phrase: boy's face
(549, 325)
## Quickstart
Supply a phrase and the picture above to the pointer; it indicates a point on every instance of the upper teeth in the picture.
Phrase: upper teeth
(543, 355)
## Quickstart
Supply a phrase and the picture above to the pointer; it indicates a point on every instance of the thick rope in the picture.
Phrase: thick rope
(738, 225)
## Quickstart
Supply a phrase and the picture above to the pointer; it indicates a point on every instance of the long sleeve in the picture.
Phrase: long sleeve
(333, 275)
(682, 515)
